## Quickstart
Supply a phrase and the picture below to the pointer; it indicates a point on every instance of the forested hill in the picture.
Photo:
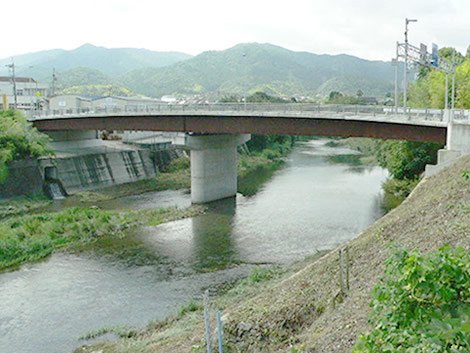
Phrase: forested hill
(247, 68)
(112, 62)
(242, 69)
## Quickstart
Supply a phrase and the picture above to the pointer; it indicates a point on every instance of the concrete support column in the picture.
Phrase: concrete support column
(213, 165)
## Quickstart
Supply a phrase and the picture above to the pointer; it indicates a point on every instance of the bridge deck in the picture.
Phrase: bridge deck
(293, 119)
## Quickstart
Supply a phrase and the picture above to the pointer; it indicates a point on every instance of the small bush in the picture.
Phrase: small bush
(422, 304)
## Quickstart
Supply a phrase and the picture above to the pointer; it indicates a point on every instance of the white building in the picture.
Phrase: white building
(69, 103)
(29, 92)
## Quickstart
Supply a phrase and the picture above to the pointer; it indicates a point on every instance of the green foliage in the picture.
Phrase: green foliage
(396, 191)
(247, 68)
(407, 159)
(261, 97)
(81, 76)
(98, 90)
(119, 330)
(189, 307)
(336, 97)
(260, 274)
(22, 204)
(178, 164)
(429, 90)
(422, 304)
(259, 143)
(19, 140)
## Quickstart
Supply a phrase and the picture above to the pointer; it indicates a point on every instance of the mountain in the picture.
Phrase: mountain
(247, 68)
(111, 62)
(240, 70)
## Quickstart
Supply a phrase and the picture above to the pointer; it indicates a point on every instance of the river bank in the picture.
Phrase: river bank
(303, 312)
(31, 238)
(34, 237)
(151, 272)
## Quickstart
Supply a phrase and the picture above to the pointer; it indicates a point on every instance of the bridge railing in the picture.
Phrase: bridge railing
(259, 108)
(461, 115)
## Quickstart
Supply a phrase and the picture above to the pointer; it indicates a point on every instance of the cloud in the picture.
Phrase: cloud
(365, 28)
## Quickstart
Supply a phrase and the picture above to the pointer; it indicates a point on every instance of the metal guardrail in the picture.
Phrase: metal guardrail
(287, 108)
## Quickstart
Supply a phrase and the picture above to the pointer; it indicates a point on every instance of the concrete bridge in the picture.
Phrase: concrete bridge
(213, 131)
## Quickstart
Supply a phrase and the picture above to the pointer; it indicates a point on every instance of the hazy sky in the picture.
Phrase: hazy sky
(364, 28)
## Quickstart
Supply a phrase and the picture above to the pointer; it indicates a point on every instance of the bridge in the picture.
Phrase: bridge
(215, 130)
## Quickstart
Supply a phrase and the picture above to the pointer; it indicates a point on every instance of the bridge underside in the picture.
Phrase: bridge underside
(252, 125)
(214, 140)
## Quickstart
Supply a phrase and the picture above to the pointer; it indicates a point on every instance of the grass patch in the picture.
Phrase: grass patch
(20, 205)
(34, 237)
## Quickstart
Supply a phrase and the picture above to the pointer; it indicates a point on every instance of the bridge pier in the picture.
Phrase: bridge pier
(214, 165)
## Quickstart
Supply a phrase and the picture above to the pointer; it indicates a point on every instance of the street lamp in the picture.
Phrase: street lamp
(405, 83)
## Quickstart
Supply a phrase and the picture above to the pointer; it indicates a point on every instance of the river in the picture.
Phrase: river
(321, 198)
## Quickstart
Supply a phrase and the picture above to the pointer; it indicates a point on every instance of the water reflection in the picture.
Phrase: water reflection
(212, 245)
(312, 203)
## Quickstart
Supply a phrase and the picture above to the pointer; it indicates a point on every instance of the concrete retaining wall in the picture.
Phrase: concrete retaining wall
(24, 178)
(104, 169)
(86, 172)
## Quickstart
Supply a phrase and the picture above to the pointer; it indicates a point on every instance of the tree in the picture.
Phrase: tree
(429, 90)
(19, 140)
(334, 95)
(407, 159)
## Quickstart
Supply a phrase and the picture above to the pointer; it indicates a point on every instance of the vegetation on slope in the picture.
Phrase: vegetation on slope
(112, 62)
(307, 312)
(247, 68)
(19, 140)
(422, 304)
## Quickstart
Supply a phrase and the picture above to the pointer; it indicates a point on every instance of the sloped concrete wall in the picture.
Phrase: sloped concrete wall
(88, 172)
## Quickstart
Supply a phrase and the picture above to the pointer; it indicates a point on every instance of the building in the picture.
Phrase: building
(69, 103)
(82, 103)
(30, 94)
(123, 103)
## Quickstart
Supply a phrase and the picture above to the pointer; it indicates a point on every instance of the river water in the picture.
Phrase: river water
(318, 200)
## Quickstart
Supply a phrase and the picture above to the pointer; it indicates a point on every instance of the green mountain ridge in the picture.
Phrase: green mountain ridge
(240, 70)
(113, 62)
(246, 68)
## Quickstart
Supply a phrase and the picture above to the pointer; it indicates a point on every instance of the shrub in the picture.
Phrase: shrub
(422, 304)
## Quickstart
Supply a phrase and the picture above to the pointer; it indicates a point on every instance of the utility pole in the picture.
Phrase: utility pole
(395, 62)
(13, 78)
(452, 104)
(54, 79)
(405, 78)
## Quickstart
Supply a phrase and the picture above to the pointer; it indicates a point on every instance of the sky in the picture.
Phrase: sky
(365, 28)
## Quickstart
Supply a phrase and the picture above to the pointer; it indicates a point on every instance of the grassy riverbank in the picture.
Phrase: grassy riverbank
(34, 237)
(305, 312)
(22, 205)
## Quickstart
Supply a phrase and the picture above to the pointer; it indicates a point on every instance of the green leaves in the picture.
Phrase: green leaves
(429, 90)
(19, 140)
(422, 304)
(407, 159)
